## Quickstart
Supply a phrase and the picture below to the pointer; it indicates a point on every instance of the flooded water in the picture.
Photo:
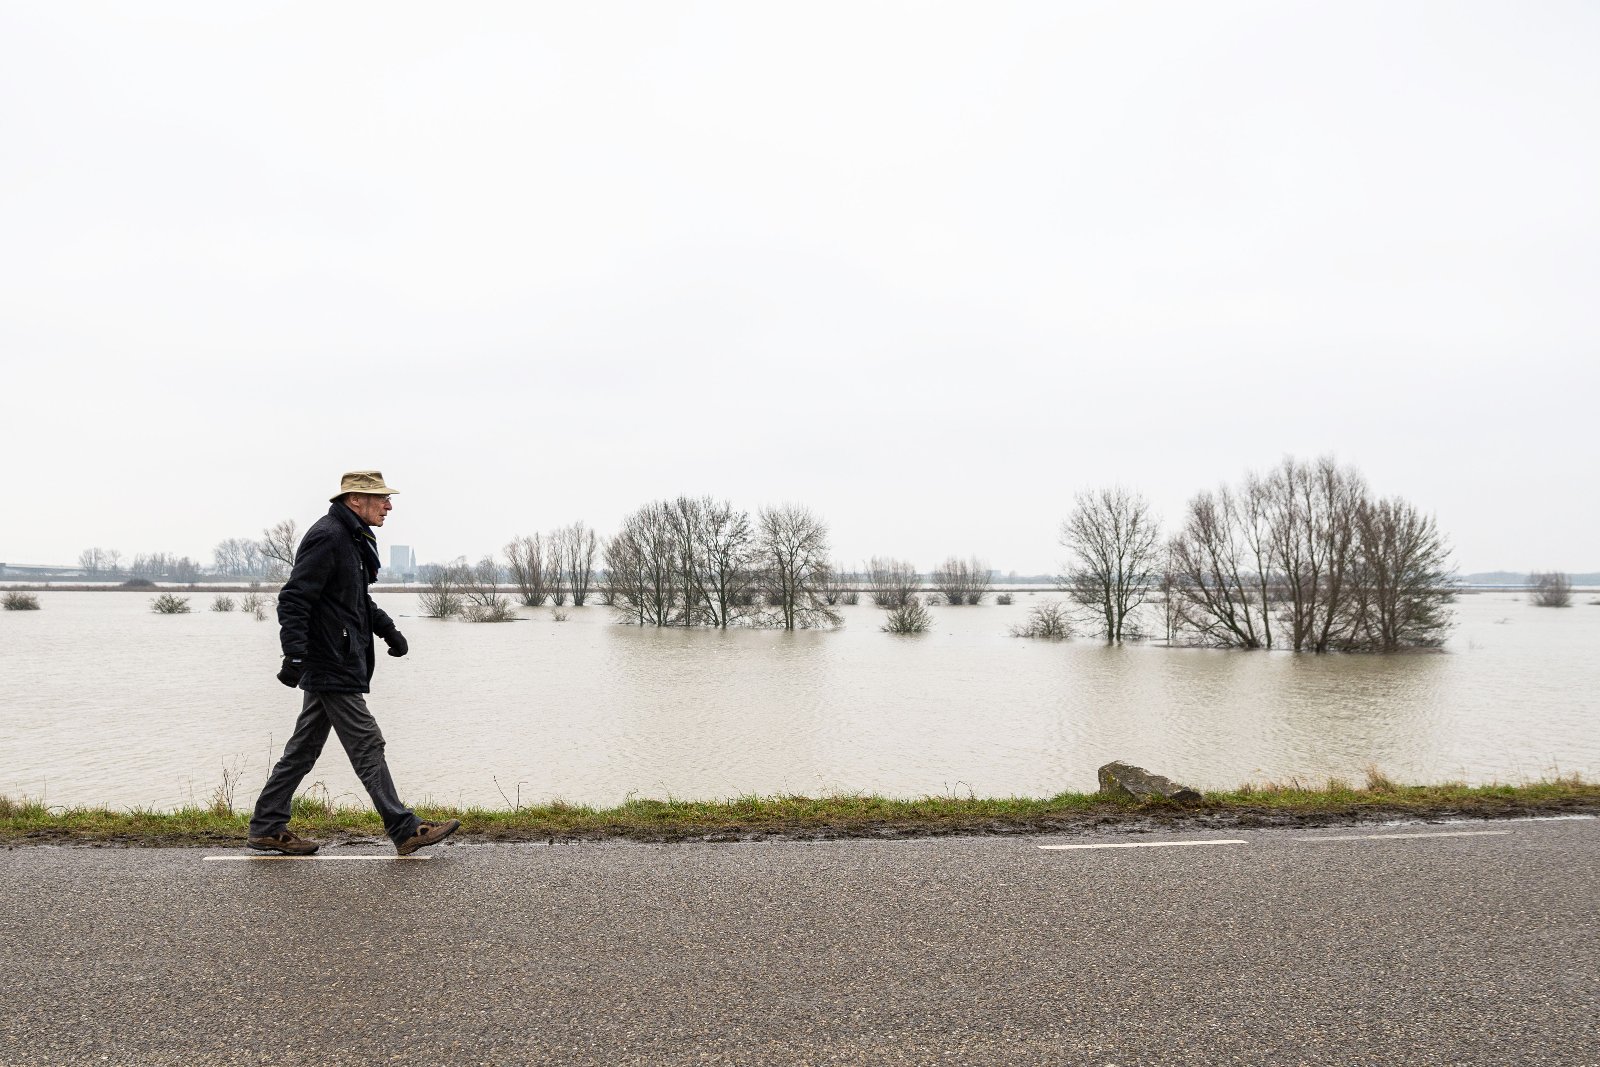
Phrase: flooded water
(108, 703)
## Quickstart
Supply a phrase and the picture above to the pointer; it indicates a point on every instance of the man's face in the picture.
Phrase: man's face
(370, 508)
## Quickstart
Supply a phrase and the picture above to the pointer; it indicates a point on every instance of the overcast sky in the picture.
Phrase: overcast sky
(929, 269)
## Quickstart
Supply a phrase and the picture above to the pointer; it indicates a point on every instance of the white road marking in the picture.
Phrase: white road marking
(302, 859)
(1144, 844)
(1398, 837)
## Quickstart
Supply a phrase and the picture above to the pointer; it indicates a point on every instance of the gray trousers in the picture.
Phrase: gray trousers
(347, 715)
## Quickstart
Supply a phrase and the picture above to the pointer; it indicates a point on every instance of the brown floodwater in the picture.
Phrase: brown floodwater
(106, 702)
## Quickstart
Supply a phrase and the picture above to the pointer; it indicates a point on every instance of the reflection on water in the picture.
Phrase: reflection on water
(106, 702)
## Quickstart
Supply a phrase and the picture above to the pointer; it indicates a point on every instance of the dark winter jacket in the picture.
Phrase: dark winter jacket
(325, 615)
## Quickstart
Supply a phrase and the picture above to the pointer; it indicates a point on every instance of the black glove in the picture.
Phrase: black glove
(289, 674)
(397, 643)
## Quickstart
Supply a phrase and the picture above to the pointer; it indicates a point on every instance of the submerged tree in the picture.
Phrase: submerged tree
(793, 549)
(1551, 589)
(1305, 559)
(1400, 581)
(525, 559)
(1112, 538)
(1221, 586)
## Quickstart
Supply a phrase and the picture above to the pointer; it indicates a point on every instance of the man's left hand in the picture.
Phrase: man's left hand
(397, 644)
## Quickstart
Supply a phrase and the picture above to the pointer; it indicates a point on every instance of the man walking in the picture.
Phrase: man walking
(327, 621)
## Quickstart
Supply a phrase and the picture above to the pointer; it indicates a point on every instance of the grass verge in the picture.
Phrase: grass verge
(26, 822)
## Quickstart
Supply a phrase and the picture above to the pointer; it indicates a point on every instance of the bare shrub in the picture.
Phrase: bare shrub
(1004, 599)
(835, 585)
(962, 581)
(256, 605)
(169, 604)
(909, 618)
(1051, 620)
(441, 596)
(483, 599)
(18, 601)
(559, 615)
(223, 795)
(222, 602)
(501, 611)
(892, 582)
(1551, 589)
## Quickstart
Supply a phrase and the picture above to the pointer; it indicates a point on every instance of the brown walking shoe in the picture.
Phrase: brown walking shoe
(284, 842)
(428, 833)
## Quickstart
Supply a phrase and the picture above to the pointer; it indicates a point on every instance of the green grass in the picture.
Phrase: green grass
(32, 822)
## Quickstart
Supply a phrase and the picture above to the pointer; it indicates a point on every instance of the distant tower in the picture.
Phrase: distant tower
(402, 563)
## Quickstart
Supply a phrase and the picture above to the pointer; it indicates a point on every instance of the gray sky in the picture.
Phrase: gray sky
(927, 268)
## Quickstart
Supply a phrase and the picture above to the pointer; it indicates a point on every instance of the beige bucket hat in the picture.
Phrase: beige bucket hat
(362, 482)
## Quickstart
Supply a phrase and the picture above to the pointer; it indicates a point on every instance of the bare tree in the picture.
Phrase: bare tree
(1217, 563)
(642, 567)
(93, 561)
(237, 557)
(1112, 538)
(891, 582)
(1400, 580)
(794, 552)
(556, 564)
(278, 543)
(525, 558)
(962, 581)
(579, 547)
(716, 560)
(1551, 589)
(1312, 509)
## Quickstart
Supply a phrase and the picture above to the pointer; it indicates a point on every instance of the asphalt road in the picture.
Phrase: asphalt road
(1293, 947)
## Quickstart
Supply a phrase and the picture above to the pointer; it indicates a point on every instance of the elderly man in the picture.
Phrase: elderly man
(327, 622)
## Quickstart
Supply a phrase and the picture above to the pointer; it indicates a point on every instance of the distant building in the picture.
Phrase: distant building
(402, 564)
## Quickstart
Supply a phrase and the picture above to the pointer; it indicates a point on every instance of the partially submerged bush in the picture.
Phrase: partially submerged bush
(1552, 589)
(222, 603)
(15, 601)
(909, 618)
(168, 604)
(1050, 620)
(1004, 598)
(498, 611)
(255, 604)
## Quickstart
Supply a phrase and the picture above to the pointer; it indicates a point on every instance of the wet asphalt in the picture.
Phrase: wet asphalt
(1478, 949)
